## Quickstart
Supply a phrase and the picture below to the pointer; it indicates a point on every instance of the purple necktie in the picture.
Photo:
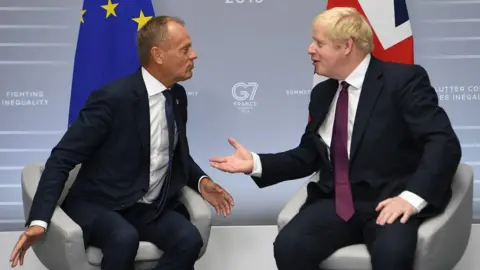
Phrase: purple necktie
(339, 157)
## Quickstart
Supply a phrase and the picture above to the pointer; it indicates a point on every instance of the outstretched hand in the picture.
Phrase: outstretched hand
(25, 241)
(241, 161)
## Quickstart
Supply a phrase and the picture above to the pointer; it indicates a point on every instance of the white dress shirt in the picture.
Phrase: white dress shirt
(159, 141)
(355, 81)
(158, 136)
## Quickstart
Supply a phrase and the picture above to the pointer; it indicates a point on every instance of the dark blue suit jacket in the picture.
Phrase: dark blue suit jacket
(111, 139)
(402, 140)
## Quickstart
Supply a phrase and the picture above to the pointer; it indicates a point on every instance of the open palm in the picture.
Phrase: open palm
(241, 161)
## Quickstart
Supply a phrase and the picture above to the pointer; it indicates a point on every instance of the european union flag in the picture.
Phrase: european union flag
(106, 46)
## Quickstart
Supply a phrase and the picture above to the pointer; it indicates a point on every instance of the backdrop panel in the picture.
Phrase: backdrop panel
(252, 81)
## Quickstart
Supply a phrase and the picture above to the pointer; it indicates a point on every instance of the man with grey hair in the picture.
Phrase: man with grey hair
(131, 141)
(385, 150)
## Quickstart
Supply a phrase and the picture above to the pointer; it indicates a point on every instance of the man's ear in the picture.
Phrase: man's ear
(157, 54)
(348, 46)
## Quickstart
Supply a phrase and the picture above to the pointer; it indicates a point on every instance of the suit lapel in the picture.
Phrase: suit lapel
(371, 89)
(178, 108)
(177, 111)
(142, 111)
(322, 104)
(320, 108)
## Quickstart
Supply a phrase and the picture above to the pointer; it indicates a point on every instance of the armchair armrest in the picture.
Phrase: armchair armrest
(293, 205)
(62, 246)
(200, 214)
(451, 228)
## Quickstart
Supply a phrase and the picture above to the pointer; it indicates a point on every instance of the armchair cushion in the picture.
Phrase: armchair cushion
(146, 252)
(354, 257)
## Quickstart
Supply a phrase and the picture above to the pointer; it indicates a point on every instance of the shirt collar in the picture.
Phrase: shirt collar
(356, 78)
(153, 85)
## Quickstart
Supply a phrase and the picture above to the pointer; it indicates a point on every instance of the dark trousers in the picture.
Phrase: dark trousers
(117, 234)
(316, 232)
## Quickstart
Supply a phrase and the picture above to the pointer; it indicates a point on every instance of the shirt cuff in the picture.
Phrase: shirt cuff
(414, 200)
(39, 223)
(200, 180)
(257, 166)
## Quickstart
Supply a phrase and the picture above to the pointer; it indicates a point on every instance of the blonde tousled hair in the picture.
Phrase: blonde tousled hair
(343, 23)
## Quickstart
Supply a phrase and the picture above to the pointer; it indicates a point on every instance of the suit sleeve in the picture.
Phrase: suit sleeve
(432, 131)
(293, 164)
(83, 137)
(195, 172)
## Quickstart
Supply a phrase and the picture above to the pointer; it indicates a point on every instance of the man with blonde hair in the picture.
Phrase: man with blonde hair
(385, 150)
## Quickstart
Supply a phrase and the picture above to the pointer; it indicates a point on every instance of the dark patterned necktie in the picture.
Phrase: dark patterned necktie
(339, 157)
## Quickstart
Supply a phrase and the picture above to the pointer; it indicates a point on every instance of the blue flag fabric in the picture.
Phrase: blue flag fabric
(106, 46)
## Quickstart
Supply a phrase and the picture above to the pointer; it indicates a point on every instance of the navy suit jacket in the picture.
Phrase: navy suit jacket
(111, 139)
(402, 140)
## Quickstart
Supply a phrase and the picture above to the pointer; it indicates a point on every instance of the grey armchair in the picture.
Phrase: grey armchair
(62, 247)
(442, 240)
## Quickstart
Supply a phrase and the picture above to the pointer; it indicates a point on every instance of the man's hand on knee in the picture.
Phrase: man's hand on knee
(393, 208)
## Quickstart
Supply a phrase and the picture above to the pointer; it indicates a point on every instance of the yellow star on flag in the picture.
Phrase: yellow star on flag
(110, 8)
(81, 18)
(141, 20)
